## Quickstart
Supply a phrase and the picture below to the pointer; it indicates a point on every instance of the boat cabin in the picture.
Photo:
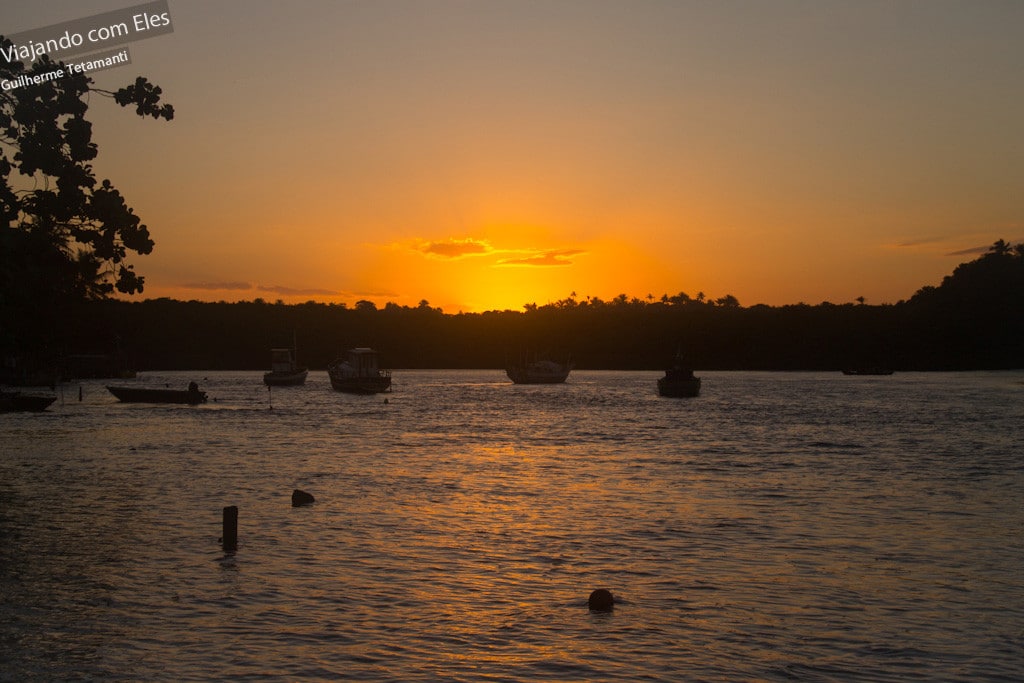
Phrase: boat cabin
(363, 361)
(282, 360)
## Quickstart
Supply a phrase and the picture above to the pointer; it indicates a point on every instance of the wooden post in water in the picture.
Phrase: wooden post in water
(230, 536)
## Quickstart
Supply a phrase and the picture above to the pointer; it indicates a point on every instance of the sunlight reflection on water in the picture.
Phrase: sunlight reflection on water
(779, 526)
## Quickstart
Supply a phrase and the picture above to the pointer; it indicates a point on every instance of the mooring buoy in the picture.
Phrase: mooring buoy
(601, 600)
(300, 498)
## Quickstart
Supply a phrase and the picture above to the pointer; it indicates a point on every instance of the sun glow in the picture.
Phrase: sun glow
(433, 158)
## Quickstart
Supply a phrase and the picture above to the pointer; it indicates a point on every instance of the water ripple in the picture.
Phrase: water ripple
(780, 527)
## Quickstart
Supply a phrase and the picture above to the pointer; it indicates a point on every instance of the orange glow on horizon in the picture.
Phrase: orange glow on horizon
(429, 156)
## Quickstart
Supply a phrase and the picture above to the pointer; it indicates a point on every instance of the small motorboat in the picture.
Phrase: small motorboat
(539, 371)
(284, 371)
(358, 373)
(868, 370)
(679, 381)
(17, 401)
(190, 396)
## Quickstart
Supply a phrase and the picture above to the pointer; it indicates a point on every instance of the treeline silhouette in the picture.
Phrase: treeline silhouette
(973, 320)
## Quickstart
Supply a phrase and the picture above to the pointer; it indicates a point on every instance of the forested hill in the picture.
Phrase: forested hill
(973, 320)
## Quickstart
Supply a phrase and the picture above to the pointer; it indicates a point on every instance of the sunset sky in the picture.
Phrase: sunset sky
(483, 154)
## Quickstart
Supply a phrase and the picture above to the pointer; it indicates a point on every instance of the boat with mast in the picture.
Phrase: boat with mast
(284, 370)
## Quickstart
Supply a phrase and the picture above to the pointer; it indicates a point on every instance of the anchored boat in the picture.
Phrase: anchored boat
(16, 401)
(284, 371)
(359, 373)
(539, 371)
(190, 396)
(679, 381)
(868, 370)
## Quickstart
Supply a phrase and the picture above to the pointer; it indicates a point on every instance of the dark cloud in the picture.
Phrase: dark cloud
(217, 286)
(971, 250)
(290, 291)
(453, 248)
(557, 257)
(920, 242)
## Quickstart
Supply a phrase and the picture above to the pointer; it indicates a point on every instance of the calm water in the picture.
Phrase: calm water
(781, 526)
